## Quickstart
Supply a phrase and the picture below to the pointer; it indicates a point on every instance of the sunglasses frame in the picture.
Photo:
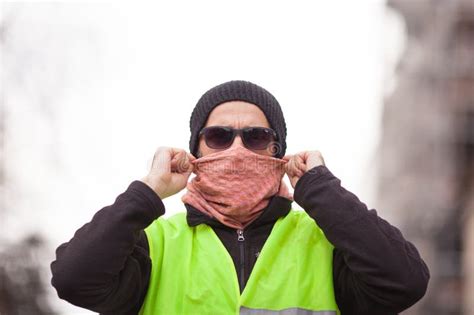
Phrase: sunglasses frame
(239, 132)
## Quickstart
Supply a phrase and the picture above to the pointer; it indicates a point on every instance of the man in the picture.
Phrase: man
(239, 248)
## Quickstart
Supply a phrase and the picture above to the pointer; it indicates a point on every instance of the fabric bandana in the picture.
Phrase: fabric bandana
(235, 185)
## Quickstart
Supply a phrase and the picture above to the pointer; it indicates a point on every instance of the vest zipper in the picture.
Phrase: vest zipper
(241, 239)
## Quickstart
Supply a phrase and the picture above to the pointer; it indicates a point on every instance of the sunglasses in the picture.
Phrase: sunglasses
(253, 138)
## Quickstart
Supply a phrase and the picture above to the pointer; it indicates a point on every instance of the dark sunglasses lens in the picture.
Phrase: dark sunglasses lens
(257, 138)
(218, 138)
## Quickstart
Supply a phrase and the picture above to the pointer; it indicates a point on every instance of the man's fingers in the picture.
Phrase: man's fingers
(161, 159)
(181, 162)
(289, 166)
(314, 158)
(300, 163)
(169, 159)
(292, 167)
(296, 165)
(187, 165)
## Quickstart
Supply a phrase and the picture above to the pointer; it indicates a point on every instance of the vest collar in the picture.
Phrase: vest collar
(277, 207)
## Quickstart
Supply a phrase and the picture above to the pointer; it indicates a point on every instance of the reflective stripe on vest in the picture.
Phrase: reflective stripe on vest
(288, 311)
(193, 273)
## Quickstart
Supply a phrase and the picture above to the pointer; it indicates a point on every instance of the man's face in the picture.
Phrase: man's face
(238, 115)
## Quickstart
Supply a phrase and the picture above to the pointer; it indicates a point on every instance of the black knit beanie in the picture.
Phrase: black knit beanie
(238, 90)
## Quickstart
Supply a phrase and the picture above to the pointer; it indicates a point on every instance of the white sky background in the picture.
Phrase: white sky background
(103, 85)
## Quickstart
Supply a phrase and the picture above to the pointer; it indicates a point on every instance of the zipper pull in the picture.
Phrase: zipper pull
(240, 234)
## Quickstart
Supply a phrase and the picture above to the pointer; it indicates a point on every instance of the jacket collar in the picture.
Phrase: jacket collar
(277, 207)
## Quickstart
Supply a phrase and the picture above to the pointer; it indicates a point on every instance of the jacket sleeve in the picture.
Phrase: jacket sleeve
(376, 271)
(105, 267)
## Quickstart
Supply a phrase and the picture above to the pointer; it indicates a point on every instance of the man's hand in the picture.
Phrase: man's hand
(170, 171)
(300, 163)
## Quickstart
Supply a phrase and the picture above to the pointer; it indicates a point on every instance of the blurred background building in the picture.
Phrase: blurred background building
(23, 290)
(426, 150)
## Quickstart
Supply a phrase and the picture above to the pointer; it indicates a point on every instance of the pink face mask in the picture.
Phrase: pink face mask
(235, 185)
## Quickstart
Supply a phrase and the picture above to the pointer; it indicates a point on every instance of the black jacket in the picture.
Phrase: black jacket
(105, 267)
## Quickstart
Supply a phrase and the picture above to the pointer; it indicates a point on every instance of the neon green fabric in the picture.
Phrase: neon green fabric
(192, 272)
